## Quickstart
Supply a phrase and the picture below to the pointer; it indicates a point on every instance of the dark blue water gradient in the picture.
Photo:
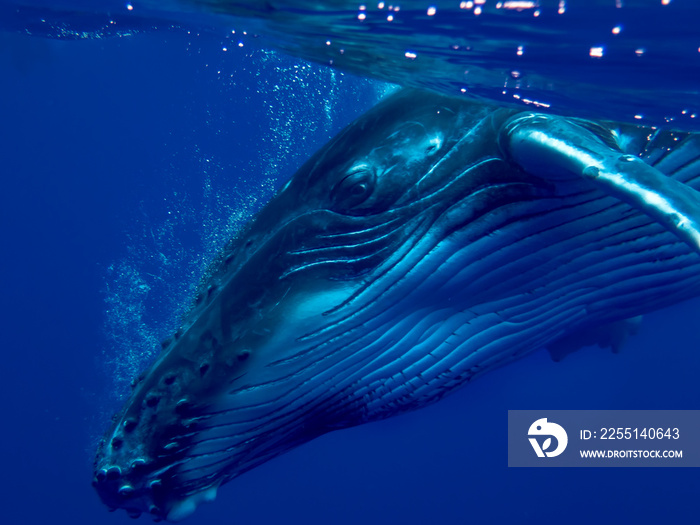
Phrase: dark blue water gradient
(97, 138)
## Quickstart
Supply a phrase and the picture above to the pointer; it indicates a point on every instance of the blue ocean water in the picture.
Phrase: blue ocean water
(633, 61)
(125, 163)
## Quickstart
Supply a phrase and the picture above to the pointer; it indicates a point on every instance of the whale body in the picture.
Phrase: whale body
(431, 241)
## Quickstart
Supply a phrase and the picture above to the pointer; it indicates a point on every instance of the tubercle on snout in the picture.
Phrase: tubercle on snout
(161, 409)
(193, 361)
(137, 461)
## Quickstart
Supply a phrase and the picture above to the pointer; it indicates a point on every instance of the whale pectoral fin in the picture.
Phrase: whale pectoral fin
(560, 149)
(612, 335)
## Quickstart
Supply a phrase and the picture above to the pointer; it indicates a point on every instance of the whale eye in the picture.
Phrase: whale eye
(353, 189)
(434, 145)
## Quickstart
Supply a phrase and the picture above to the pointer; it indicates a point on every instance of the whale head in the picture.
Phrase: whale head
(255, 366)
(407, 256)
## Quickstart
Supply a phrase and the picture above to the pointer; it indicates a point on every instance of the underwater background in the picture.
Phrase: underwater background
(125, 164)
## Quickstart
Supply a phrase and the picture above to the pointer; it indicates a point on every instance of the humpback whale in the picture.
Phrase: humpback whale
(431, 241)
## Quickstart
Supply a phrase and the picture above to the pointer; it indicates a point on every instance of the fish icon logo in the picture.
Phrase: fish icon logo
(542, 427)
